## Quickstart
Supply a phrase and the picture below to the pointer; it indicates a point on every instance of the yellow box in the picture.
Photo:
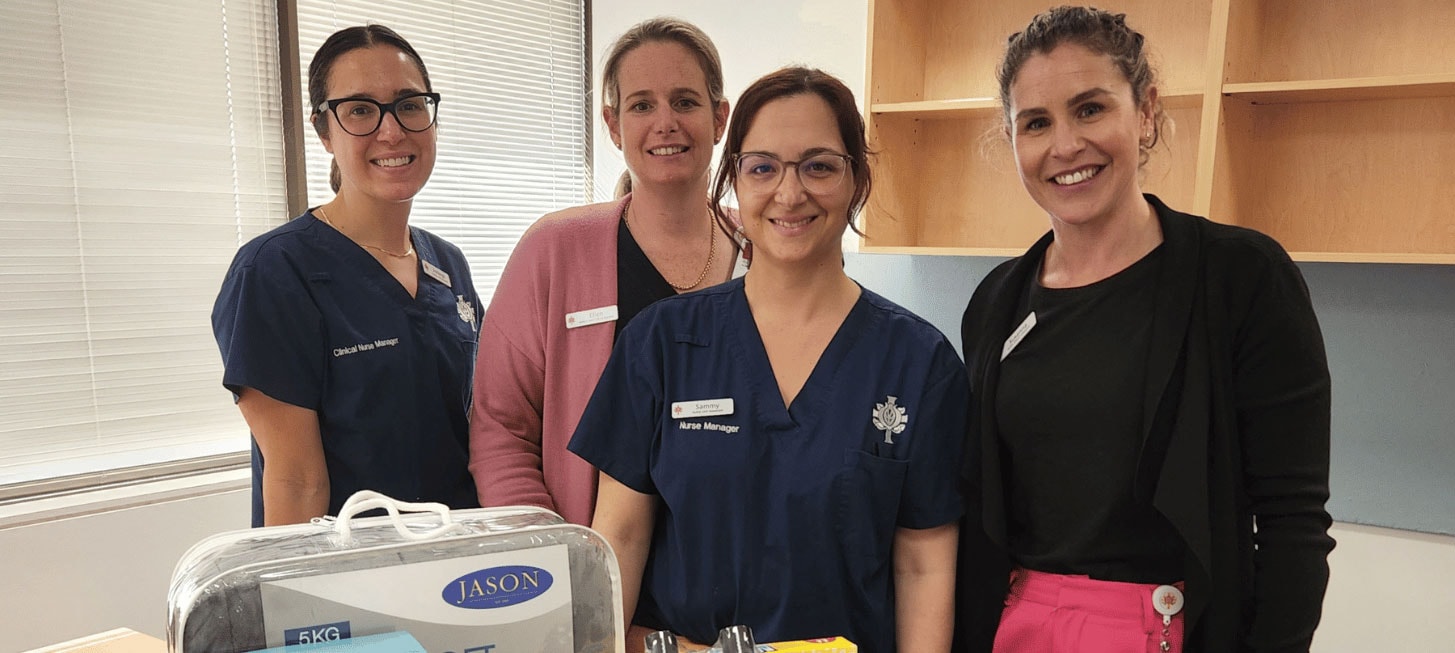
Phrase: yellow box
(822, 645)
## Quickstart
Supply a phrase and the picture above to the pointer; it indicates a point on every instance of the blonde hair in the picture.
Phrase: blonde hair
(656, 30)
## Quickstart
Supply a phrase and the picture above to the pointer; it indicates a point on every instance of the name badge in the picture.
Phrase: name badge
(702, 408)
(434, 272)
(1167, 600)
(590, 317)
(1018, 335)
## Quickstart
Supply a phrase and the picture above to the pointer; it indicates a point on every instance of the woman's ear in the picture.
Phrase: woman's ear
(1149, 110)
(613, 126)
(322, 133)
(719, 120)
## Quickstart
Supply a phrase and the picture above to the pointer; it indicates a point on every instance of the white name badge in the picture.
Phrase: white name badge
(434, 272)
(701, 408)
(590, 317)
(1018, 335)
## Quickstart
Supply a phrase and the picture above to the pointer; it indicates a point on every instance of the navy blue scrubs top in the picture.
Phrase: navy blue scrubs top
(309, 318)
(779, 518)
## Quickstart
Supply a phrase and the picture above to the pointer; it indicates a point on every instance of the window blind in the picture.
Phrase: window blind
(512, 121)
(142, 146)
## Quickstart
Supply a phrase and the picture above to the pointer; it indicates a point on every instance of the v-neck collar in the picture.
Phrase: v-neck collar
(372, 272)
(812, 399)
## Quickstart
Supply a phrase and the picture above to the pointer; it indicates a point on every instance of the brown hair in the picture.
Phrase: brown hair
(1101, 32)
(656, 30)
(788, 82)
(337, 45)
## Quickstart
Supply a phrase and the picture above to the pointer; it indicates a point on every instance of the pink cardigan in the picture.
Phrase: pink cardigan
(534, 376)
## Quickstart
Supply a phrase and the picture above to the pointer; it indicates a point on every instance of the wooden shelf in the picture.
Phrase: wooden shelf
(1303, 119)
(1001, 252)
(1366, 257)
(1337, 176)
(971, 107)
(1344, 90)
(1292, 40)
(950, 108)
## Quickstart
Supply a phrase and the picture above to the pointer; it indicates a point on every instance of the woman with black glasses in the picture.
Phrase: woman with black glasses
(347, 335)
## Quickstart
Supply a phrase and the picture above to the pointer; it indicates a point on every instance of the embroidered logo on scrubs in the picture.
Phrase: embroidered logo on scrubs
(890, 418)
(466, 310)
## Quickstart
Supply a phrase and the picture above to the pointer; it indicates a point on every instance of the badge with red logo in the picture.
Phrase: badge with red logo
(1167, 600)
(702, 408)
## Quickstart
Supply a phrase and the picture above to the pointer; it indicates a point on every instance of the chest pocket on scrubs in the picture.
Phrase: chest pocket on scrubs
(867, 493)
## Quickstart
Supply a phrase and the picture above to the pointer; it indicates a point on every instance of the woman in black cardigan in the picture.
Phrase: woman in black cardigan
(1150, 396)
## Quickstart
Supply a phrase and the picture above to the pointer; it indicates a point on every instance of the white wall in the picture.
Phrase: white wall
(60, 579)
(1389, 590)
(67, 577)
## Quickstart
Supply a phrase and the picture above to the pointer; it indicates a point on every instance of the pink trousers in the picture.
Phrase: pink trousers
(1052, 613)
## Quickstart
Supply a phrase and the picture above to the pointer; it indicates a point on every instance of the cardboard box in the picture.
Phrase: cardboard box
(121, 640)
(823, 645)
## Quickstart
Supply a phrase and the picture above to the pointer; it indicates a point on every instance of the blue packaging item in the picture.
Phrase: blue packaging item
(396, 642)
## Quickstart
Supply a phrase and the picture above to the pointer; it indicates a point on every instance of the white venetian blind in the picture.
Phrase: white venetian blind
(512, 121)
(142, 144)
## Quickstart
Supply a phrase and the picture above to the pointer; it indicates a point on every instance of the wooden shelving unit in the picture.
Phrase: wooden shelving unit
(1327, 124)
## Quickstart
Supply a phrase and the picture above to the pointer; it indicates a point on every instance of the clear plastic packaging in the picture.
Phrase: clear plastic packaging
(216, 602)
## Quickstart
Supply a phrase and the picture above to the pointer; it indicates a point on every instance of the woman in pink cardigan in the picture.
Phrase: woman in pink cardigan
(578, 276)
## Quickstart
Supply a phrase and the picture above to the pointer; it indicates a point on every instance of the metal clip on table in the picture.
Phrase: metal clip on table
(662, 641)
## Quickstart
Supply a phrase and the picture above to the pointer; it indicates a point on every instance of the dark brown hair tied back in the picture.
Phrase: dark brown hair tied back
(1100, 31)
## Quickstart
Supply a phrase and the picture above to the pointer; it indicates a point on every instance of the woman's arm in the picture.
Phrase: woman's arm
(1282, 390)
(507, 440)
(924, 587)
(506, 456)
(295, 477)
(626, 518)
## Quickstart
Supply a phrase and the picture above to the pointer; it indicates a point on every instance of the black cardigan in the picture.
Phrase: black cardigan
(1236, 432)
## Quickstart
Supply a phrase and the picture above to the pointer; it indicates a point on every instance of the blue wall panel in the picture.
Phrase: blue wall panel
(1390, 331)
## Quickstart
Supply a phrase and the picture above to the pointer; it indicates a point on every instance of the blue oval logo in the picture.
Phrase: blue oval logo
(497, 587)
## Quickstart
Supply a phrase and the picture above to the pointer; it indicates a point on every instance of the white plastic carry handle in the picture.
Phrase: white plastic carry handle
(365, 500)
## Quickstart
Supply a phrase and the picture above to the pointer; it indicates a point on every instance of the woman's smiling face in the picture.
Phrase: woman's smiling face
(391, 164)
(787, 223)
(1077, 132)
(666, 122)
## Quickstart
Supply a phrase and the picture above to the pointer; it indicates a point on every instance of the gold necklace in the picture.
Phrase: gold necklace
(711, 249)
(319, 212)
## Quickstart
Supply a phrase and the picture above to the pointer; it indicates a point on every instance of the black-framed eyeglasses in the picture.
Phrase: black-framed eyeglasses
(362, 116)
(761, 172)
